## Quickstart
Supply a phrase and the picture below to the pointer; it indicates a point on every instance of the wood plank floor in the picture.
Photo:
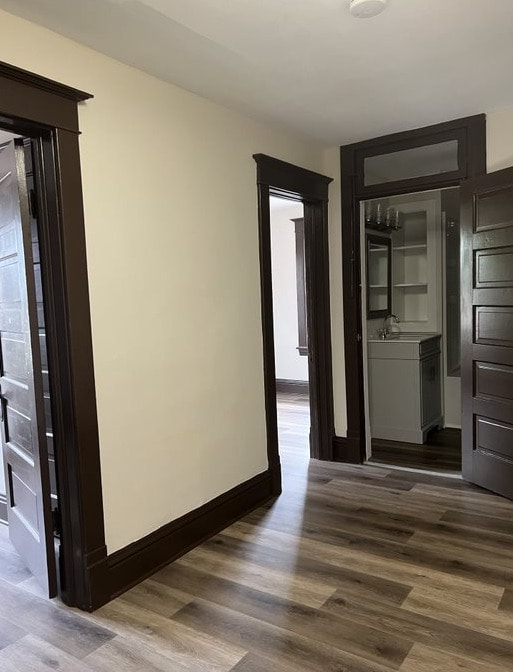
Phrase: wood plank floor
(441, 452)
(353, 569)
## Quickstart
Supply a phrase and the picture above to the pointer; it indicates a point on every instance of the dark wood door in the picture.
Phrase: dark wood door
(487, 331)
(23, 426)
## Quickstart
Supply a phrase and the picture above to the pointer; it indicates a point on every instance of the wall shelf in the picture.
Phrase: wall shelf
(411, 284)
(406, 248)
(415, 263)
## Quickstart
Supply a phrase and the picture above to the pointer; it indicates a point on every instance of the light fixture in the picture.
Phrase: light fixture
(366, 9)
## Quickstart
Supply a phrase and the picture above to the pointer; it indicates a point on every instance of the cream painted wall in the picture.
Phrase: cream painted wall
(499, 139)
(331, 165)
(172, 240)
(290, 365)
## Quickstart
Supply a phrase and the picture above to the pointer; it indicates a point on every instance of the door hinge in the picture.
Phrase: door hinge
(358, 338)
(57, 522)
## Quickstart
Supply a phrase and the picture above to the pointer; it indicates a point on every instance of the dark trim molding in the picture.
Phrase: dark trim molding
(288, 181)
(291, 181)
(43, 83)
(3, 508)
(471, 134)
(345, 450)
(292, 386)
(28, 99)
(47, 112)
(130, 565)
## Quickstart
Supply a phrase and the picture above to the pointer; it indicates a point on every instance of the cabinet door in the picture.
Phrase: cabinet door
(430, 388)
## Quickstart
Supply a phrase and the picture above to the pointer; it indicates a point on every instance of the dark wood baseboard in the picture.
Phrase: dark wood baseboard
(346, 449)
(3, 508)
(130, 565)
(292, 386)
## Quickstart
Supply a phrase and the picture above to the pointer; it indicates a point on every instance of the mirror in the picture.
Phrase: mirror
(379, 276)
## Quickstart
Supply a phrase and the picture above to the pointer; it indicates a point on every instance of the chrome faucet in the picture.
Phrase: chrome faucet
(383, 333)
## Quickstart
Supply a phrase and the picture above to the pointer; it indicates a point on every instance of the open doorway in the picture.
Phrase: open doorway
(429, 167)
(410, 269)
(277, 178)
(290, 328)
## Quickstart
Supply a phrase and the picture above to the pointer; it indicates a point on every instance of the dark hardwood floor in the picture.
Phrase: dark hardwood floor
(352, 569)
(441, 452)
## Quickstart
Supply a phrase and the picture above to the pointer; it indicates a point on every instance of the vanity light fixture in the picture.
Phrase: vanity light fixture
(366, 9)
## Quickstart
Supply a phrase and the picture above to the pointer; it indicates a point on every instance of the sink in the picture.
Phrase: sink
(402, 345)
(406, 337)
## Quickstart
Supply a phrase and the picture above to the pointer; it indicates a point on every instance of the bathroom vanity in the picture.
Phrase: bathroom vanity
(404, 386)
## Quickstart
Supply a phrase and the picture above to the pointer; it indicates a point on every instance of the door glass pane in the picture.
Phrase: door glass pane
(411, 163)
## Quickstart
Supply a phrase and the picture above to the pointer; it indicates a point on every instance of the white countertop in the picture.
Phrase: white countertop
(404, 337)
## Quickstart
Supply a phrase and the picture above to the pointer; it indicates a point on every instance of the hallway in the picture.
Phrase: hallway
(354, 568)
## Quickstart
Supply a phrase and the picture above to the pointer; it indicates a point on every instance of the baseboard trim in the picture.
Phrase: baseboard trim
(141, 559)
(346, 450)
(3, 508)
(292, 386)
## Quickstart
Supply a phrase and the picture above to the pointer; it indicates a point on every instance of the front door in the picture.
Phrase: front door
(23, 427)
(487, 331)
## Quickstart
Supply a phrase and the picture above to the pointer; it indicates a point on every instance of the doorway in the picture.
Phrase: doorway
(412, 162)
(277, 178)
(411, 330)
(290, 329)
(47, 112)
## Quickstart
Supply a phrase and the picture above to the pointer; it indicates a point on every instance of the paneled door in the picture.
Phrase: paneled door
(23, 426)
(487, 331)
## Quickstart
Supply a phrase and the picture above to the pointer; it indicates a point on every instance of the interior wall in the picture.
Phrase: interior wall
(172, 241)
(499, 139)
(331, 167)
(290, 365)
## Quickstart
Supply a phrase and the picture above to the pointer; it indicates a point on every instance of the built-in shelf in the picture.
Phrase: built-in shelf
(378, 286)
(411, 284)
(405, 248)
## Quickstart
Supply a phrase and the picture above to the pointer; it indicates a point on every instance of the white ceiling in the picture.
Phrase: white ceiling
(307, 64)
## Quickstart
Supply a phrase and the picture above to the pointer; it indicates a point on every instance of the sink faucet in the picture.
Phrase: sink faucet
(383, 333)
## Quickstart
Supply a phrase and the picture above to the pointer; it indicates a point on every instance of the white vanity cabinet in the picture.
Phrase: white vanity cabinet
(405, 387)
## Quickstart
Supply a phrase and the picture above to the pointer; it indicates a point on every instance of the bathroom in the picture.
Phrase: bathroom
(410, 271)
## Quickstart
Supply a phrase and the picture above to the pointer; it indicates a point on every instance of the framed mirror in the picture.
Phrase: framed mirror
(379, 276)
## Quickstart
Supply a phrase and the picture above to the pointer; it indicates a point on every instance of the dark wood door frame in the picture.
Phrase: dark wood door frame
(471, 135)
(47, 112)
(275, 177)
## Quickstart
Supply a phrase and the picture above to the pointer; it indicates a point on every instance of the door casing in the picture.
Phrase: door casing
(471, 135)
(279, 178)
(46, 111)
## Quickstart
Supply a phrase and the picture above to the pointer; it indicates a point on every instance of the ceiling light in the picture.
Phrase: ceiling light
(365, 9)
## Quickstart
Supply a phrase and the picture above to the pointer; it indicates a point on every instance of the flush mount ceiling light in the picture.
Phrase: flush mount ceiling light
(366, 9)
